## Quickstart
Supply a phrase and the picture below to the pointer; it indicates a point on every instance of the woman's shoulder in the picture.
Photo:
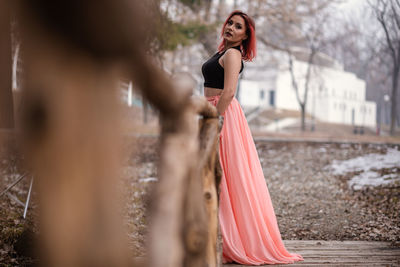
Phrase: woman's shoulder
(233, 54)
(232, 51)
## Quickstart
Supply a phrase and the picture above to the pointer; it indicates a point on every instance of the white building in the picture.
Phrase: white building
(334, 95)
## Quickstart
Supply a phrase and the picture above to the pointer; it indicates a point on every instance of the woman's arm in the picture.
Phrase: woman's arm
(232, 61)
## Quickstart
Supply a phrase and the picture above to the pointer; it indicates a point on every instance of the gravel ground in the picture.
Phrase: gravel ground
(309, 201)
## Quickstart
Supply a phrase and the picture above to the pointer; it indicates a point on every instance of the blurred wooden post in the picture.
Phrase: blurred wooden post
(6, 97)
(71, 135)
(72, 139)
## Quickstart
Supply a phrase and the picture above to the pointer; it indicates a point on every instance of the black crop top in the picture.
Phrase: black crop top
(213, 72)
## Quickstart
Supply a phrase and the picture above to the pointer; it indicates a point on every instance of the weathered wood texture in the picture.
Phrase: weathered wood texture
(340, 253)
(179, 147)
(208, 161)
(186, 190)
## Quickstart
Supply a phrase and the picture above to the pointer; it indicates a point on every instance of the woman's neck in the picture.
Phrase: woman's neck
(229, 45)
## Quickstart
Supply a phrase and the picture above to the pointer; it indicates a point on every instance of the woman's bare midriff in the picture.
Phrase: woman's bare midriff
(209, 91)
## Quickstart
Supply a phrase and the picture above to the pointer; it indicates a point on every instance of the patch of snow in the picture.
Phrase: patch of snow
(345, 145)
(148, 179)
(279, 124)
(365, 165)
(367, 162)
(371, 178)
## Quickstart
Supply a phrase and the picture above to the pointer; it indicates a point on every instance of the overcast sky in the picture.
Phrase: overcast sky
(347, 6)
(350, 7)
(352, 4)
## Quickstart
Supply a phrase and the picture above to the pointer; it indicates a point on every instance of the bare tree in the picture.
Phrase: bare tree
(297, 24)
(313, 33)
(365, 53)
(388, 14)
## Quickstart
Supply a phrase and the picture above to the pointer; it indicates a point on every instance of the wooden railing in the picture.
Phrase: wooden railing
(70, 125)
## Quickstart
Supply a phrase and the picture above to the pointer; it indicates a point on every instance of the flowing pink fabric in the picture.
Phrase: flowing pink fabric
(248, 223)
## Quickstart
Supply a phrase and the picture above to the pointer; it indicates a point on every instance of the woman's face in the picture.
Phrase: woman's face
(235, 30)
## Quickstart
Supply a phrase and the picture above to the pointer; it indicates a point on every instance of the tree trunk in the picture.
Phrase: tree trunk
(207, 10)
(393, 113)
(208, 42)
(6, 96)
(220, 11)
(303, 117)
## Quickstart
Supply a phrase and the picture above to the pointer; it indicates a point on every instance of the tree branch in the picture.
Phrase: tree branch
(381, 18)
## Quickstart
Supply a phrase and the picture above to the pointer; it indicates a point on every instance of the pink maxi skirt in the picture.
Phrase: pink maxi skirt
(248, 223)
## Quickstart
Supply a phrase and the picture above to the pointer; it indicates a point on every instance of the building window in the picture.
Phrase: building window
(272, 98)
(262, 94)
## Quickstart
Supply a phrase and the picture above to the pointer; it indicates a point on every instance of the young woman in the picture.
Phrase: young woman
(248, 224)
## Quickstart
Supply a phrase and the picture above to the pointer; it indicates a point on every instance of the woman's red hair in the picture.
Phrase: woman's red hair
(248, 45)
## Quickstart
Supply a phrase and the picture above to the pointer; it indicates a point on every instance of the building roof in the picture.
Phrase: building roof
(320, 59)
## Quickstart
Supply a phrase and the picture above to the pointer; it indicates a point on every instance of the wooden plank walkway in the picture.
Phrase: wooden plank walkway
(340, 253)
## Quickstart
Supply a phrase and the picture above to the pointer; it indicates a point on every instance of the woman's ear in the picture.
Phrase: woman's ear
(245, 38)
